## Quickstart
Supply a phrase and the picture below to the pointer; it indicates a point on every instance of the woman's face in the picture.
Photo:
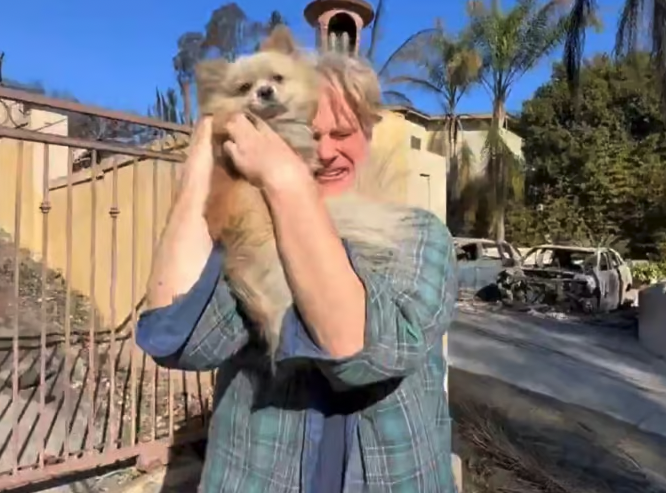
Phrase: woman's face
(342, 144)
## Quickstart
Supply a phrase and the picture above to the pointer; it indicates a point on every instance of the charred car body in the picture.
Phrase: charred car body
(575, 278)
(481, 260)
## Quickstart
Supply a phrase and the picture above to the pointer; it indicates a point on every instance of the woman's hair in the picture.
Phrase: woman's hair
(358, 83)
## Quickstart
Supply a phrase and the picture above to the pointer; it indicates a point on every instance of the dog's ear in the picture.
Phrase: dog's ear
(280, 40)
(209, 75)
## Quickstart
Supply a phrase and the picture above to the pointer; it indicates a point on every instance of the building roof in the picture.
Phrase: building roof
(426, 118)
(316, 8)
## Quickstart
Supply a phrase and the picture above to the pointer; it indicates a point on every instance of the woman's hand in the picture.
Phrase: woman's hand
(261, 155)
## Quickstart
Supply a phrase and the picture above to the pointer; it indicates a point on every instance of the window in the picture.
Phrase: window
(604, 263)
(614, 260)
(415, 142)
(468, 252)
(490, 251)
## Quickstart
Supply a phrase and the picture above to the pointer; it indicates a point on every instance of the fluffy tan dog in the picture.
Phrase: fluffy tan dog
(281, 86)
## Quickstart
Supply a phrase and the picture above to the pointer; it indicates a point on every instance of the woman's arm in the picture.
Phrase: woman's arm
(329, 295)
(185, 244)
(408, 311)
(191, 321)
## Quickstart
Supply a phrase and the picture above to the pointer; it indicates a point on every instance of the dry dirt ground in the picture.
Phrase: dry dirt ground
(514, 441)
(511, 441)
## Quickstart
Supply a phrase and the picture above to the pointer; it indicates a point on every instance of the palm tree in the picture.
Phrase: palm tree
(375, 30)
(627, 39)
(509, 44)
(390, 93)
(446, 67)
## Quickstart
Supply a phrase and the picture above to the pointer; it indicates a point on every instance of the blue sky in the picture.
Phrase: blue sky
(114, 54)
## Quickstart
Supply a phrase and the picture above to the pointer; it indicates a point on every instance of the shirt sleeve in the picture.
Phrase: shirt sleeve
(408, 311)
(200, 330)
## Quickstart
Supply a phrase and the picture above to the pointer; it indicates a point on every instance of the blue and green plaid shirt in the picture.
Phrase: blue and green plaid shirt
(265, 428)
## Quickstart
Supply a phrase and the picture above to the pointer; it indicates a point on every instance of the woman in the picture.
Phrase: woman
(356, 402)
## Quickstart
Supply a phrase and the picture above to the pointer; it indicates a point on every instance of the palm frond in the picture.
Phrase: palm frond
(375, 31)
(416, 83)
(577, 22)
(408, 51)
(659, 44)
(544, 31)
(635, 16)
(626, 38)
(392, 96)
(513, 43)
(440, 64)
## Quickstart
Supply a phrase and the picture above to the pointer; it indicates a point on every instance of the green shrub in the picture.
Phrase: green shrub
(648, 272)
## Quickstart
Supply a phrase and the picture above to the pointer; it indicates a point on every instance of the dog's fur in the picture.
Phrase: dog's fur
(236, 213)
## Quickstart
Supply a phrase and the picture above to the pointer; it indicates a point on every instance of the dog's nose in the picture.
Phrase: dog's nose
(266, 93)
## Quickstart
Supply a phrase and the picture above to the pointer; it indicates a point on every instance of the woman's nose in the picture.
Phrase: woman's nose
(326, 150)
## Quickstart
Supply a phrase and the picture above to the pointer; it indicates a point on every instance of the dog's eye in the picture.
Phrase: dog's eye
(278, 78)
(244, 88)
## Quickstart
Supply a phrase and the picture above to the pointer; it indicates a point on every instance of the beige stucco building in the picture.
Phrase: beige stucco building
(423, 146)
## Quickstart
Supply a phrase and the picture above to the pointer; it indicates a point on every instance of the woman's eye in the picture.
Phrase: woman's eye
(341, 134)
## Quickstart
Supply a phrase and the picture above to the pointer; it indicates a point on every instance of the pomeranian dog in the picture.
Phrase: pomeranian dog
(281, 86)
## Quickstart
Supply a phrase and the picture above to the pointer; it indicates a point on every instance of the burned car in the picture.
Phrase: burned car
(480, 260)
(573, 278)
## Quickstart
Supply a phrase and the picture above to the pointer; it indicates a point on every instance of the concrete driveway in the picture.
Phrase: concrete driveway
(601, 369)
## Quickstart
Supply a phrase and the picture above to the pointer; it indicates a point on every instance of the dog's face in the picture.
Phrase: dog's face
(277, 82)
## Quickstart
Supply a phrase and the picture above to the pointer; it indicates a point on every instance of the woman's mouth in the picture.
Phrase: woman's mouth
(332, 174)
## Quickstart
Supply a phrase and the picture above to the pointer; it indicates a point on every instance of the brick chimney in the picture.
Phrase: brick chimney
(338, 23)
